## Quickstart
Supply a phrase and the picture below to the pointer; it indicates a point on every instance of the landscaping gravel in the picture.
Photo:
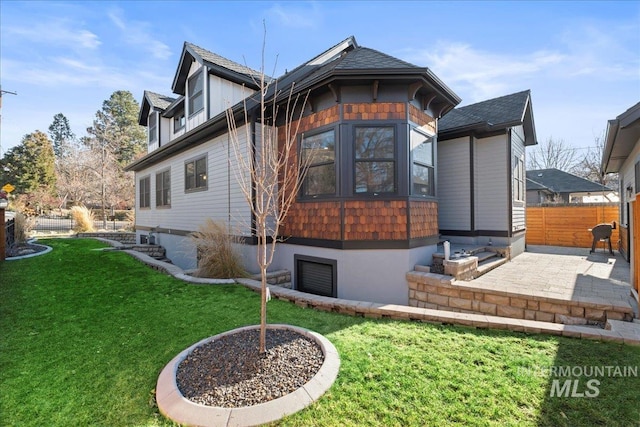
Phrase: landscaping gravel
(229, 372)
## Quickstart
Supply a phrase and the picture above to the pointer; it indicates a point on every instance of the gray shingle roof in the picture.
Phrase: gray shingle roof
(157, 100)
(559, 181)
(497, 112)
(223, 62)
(533, 185)
(365, 58)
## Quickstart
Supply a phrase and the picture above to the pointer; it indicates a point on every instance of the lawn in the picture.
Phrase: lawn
(84, 334)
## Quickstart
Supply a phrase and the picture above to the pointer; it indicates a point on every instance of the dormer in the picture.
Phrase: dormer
(209, 84)
(151, 115)
(177, 115)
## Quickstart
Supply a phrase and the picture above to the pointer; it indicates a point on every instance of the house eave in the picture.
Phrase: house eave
(622, 134)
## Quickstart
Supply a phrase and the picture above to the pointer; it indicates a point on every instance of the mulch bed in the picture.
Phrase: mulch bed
(229, 372)
(22, 249)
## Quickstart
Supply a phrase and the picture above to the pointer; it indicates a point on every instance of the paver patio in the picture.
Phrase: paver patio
(564, 273)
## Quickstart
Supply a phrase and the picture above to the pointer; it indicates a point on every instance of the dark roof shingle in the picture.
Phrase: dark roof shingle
(157, 100)
(559, 181)
(502, 111)
(221, 61)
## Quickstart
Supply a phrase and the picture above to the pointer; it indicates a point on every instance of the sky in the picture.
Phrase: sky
(581, 60)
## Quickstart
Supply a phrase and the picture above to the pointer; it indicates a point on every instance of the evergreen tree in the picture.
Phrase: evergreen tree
(61, 135)
(30, 166)
(116, 127)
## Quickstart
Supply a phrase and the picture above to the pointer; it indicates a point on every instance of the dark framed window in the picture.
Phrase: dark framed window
(319, 151)
(196, 94)
(518, 178)
(195, 174)
(179, 121)
(375, 159)
(422, 167)
(153, 126)
(144, 190)
(163, 188)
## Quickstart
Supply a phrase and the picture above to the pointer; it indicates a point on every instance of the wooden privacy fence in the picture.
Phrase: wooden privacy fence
(568, 225)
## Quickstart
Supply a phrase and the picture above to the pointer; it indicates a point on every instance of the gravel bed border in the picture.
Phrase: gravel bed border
(173, 405)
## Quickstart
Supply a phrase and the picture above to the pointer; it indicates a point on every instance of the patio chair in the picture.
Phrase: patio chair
(601, 233)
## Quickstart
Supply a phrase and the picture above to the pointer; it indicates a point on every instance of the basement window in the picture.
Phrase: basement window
(316, 276)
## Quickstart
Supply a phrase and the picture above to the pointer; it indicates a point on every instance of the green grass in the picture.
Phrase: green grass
(84, 334)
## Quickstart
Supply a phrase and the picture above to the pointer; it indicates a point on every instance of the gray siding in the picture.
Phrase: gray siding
(518, 206)
(224, 94)
(491, 191)
(454, 170)
(222, 200)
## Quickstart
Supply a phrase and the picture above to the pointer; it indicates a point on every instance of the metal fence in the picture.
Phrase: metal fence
(10, 232)
(66, 224)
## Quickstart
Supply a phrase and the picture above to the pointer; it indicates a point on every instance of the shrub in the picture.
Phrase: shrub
(82, 218)
(23, 226)
(130, 217)
(217, 257)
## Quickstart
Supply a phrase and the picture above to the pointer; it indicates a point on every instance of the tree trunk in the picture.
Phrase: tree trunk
(262, 245)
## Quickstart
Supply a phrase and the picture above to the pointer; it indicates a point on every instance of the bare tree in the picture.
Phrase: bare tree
(590, 167)
(268, 170)
(552, 154)
(75, 176)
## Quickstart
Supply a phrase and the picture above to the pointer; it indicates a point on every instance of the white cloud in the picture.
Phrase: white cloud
(480, 74)
(58, 32)
(306, 15)
(139, 34)
(580, 53)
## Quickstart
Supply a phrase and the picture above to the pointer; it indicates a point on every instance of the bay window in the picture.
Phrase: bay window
(319, 152)
(375, 162)
(422, 167)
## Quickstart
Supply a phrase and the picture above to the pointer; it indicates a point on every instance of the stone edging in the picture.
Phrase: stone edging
(627, 335)
(31, 241)
(173, 405)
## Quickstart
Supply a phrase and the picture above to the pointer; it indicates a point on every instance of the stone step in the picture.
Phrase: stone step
(484, 255)
(422, 268)
(489, 264)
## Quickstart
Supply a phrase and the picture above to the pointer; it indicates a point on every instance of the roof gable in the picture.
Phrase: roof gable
(558, 181)
(152, 100)
(493, 114)
(216, 64)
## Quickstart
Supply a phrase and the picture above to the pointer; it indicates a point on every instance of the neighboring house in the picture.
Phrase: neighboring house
(481, 171)
(622, 156)
(368, 209)
(556, 186)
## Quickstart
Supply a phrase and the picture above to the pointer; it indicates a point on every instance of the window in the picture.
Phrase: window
(637, 172)
(375, 163)
(518, 178)
(195, 174)
(163, 188)
(422, 170)
(178, 121)
(196, 96)
(144, 188)
(153, 127)
(317, 276)
(320, 151)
